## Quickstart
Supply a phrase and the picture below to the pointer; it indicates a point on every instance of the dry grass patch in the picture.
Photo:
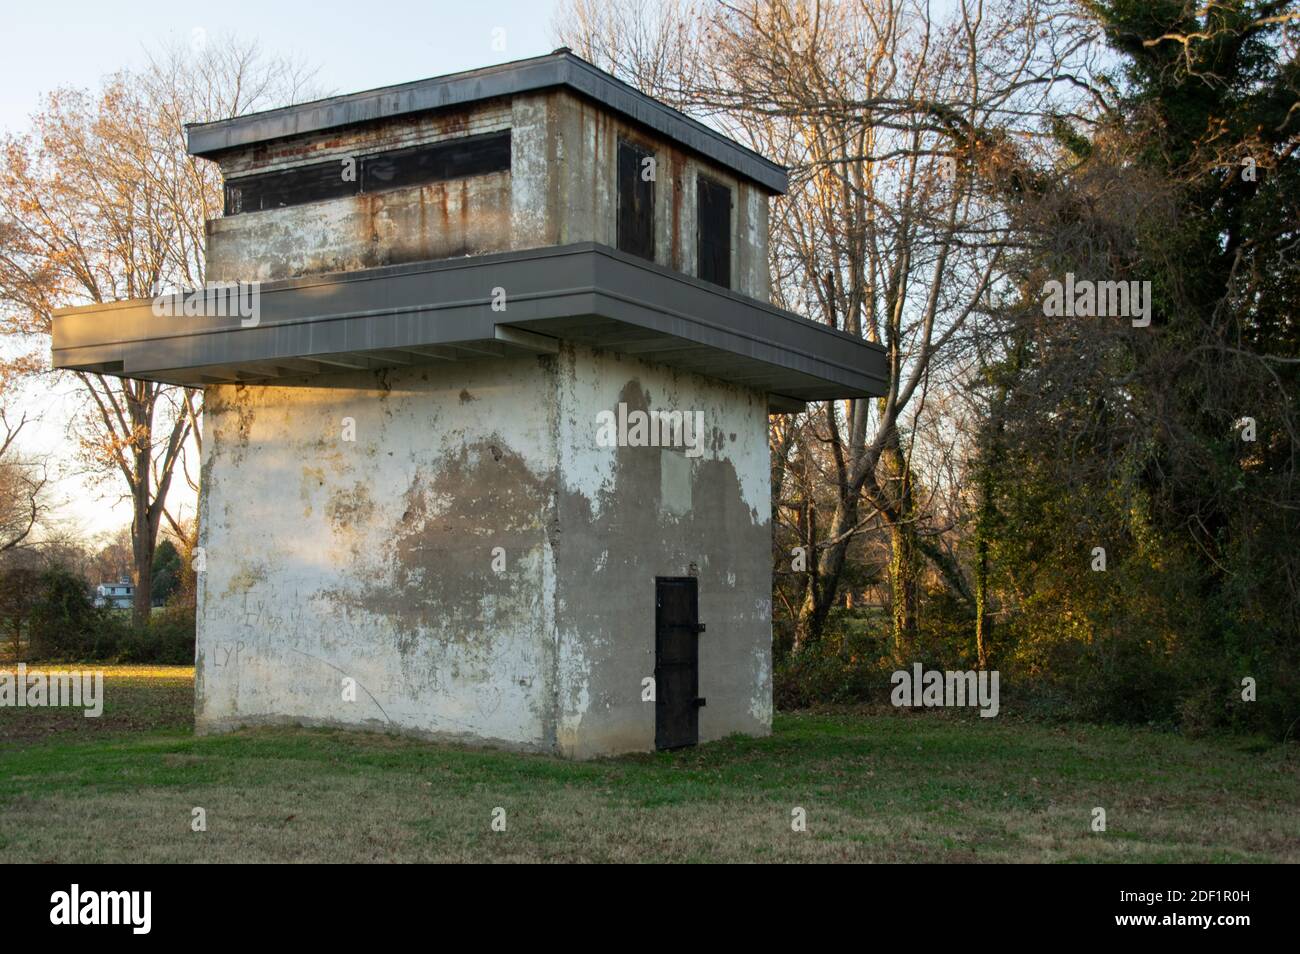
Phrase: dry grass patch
(876, 786)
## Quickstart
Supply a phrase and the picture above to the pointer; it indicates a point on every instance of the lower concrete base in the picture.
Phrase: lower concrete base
(461, 552)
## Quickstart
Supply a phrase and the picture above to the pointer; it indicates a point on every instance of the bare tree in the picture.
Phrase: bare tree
(22, 487)
(652, 44)
(23, 482)
(103, 203)
(884, 112)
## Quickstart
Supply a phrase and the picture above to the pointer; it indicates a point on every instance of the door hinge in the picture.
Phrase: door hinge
(698, 627)
(701, 702)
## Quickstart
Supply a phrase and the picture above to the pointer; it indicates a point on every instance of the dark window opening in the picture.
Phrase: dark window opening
(453, 159)
(344, 176)
(636, 201)
(273, 190)
(713, 238)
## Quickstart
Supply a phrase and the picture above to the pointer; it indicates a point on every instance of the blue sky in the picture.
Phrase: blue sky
(356, 46)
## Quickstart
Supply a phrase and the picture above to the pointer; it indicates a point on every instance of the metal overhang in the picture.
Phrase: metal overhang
(429, 312)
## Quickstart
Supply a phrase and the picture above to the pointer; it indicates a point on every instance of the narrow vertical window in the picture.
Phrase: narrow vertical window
(713, 238)
(636, 200)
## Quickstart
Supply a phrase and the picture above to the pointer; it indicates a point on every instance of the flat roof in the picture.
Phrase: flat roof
(429, 312)
(558, 69)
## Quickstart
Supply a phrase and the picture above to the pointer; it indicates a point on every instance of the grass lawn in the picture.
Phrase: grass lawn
(876, 786)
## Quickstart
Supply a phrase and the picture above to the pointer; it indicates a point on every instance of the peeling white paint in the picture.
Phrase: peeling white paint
(341, 581)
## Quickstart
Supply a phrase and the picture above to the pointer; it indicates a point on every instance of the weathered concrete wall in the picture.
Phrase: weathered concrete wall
(630, 514)
(585, 141)
(441, 220)
(372, 559)
(468, 216)
(562, 187)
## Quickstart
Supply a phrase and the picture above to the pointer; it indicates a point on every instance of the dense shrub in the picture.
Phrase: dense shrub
(848, 664)
(64, 623)
(1121, 662)
(167, 639)
(55, 620)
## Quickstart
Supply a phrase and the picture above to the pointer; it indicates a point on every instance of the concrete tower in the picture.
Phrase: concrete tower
(488, 361)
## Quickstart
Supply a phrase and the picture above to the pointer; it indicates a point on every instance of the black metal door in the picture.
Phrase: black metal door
(677, 662)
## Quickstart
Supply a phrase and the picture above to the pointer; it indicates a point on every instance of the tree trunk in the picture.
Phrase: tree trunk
(904, 561)
(142, 537)
(148, 502)
(824, 583)
(989, 467)
(903, 589)
(983, 622)
(807, 629)
(142, 576)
